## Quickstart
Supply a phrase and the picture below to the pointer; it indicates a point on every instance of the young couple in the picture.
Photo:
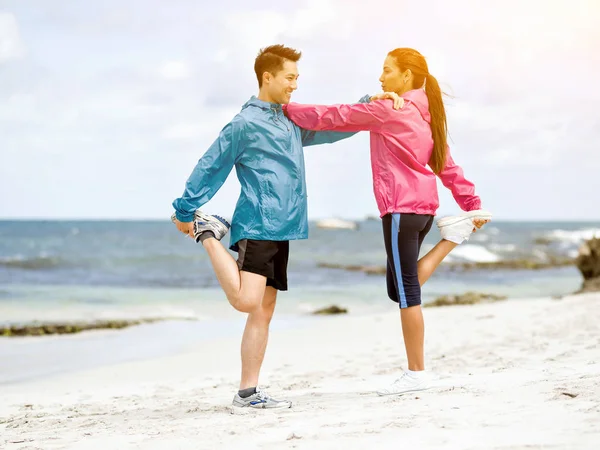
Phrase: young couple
(264, 142)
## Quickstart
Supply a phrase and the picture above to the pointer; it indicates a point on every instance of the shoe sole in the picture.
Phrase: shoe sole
(246, 410)
(205, 217)
(471, 215)
(208, 217)
(403, 392)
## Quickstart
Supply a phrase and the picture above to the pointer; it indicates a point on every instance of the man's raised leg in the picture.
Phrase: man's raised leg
(244, 290)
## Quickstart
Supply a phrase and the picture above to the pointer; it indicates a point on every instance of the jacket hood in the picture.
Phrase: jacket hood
(418, 97)
(254, 101)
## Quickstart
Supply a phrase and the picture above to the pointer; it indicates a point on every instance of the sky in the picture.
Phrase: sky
(105, 107)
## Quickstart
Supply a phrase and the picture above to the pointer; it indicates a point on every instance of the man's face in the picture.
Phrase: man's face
(283, 83)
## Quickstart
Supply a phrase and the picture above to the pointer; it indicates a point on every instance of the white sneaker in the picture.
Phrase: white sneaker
(406, 383)
(469, 215)
(458, 232)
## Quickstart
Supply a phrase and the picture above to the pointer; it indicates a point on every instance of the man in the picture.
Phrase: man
(266, 149)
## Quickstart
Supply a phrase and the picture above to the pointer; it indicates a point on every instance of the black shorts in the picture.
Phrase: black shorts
(403, 235)
(267, 258)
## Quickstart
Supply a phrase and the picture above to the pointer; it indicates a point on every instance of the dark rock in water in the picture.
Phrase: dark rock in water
(331, 310)
(369, 270)
(36, 329)
(588, 263)
(588, 260)
(592, 285)
(506, 264)
(512, 264)
(468, 298)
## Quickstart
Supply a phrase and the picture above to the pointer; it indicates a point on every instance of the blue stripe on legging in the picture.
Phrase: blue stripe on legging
(397, 266)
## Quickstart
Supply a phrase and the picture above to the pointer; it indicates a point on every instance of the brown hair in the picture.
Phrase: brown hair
(407, 58)
(270, 59)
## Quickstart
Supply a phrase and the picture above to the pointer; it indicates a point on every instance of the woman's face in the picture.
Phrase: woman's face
(392, 78)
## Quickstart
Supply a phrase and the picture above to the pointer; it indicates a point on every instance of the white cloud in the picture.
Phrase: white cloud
(245, 32)
(11, 46)
(202, 128)
(175, 70)
(324, 17)
(182, 131)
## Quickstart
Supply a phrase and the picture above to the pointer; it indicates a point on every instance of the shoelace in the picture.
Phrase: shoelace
(399, 380)
(262, 395)
(395, 383)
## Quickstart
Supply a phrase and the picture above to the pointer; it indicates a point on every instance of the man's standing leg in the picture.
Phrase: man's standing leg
(273, 257)
(256, 336)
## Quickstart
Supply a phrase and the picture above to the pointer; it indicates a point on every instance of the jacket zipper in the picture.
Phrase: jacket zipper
(276, 118)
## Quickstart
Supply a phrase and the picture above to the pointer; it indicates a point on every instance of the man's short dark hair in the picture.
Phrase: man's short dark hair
(270, 59)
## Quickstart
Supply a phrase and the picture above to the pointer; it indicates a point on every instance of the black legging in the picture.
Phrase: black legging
(403, 235)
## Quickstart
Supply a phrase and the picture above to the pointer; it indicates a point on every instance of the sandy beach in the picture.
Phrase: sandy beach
(521, 373)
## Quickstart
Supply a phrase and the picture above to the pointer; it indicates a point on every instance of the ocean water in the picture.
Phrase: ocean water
(60, 271)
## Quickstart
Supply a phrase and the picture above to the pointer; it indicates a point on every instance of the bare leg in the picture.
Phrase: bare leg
(413, 325)
(428, 263)
(256, 335)
(244, 290)
(413, 330)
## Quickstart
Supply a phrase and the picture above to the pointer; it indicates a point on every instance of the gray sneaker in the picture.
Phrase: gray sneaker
(260, 400)
(205, 222)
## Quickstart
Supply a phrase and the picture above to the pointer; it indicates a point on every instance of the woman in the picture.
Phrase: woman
(403, 143)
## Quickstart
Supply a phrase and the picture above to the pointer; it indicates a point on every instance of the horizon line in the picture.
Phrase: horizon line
(314, 219)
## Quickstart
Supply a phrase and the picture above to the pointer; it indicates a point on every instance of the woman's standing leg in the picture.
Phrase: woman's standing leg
(404, 234)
